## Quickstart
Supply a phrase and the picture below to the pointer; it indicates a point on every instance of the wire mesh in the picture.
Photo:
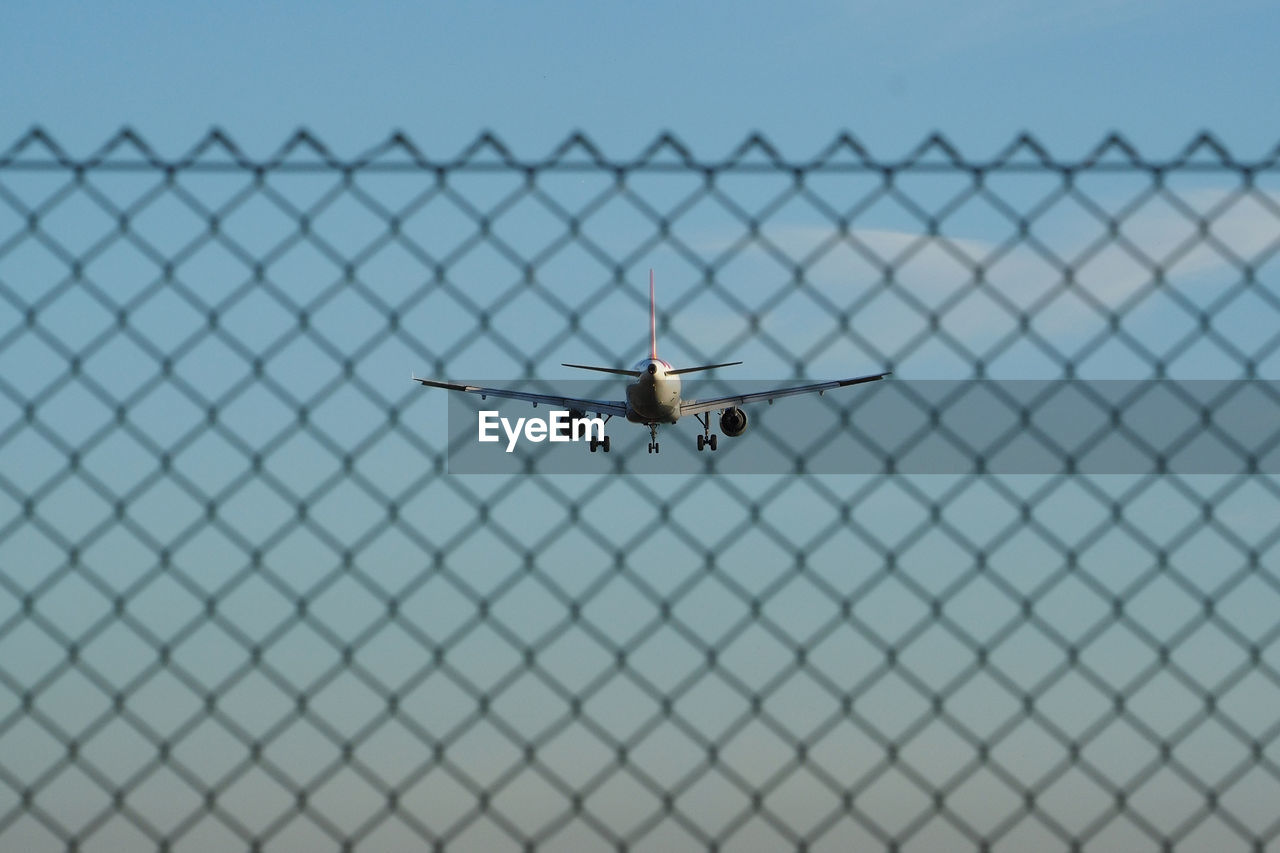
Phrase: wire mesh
(242, 606)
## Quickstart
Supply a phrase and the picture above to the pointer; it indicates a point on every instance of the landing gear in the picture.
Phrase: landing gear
(706, 439)
(602, 442)
(653, 438)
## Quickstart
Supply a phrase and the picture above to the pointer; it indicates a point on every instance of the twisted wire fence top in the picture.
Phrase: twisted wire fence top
(243, 607)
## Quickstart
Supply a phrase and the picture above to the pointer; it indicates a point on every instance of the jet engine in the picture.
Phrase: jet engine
(733, 422)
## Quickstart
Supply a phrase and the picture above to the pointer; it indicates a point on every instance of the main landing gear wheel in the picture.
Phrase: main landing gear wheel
(706, 439)
(601, 443)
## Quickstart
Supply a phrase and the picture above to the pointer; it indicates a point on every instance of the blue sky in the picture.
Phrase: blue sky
(711, 72)
(889, 71)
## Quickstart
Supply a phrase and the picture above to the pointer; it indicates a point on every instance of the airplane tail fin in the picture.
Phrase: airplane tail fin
(653, 321)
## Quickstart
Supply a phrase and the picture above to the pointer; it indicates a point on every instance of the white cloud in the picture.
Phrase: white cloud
(933, 271)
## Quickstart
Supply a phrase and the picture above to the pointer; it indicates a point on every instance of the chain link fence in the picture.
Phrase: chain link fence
(242, 607)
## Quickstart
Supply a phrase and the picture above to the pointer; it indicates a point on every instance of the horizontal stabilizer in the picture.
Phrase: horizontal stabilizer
(703, 367)
(617, 370)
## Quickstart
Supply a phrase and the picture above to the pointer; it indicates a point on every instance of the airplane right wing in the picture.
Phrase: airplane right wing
(601, 407)
(697, 407)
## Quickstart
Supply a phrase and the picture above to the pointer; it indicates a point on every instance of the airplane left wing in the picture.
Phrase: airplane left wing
(697, 407)
(600, 407)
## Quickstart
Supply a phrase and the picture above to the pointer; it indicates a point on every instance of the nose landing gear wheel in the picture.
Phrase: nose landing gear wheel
(653, 435)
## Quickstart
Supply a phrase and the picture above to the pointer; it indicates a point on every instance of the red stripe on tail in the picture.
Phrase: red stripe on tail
(653, 321)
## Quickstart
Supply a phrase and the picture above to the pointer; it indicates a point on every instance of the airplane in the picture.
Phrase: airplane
(653, 396)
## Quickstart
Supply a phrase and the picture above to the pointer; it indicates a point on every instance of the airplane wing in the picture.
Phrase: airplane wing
(601, 407)
(697, 407)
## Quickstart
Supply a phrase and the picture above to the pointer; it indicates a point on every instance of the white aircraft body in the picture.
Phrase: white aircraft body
(653, 395)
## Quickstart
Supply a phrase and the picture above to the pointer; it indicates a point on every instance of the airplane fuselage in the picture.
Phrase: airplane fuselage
(654, 396)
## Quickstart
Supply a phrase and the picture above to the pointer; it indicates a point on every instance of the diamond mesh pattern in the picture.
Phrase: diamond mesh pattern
(241, 606)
